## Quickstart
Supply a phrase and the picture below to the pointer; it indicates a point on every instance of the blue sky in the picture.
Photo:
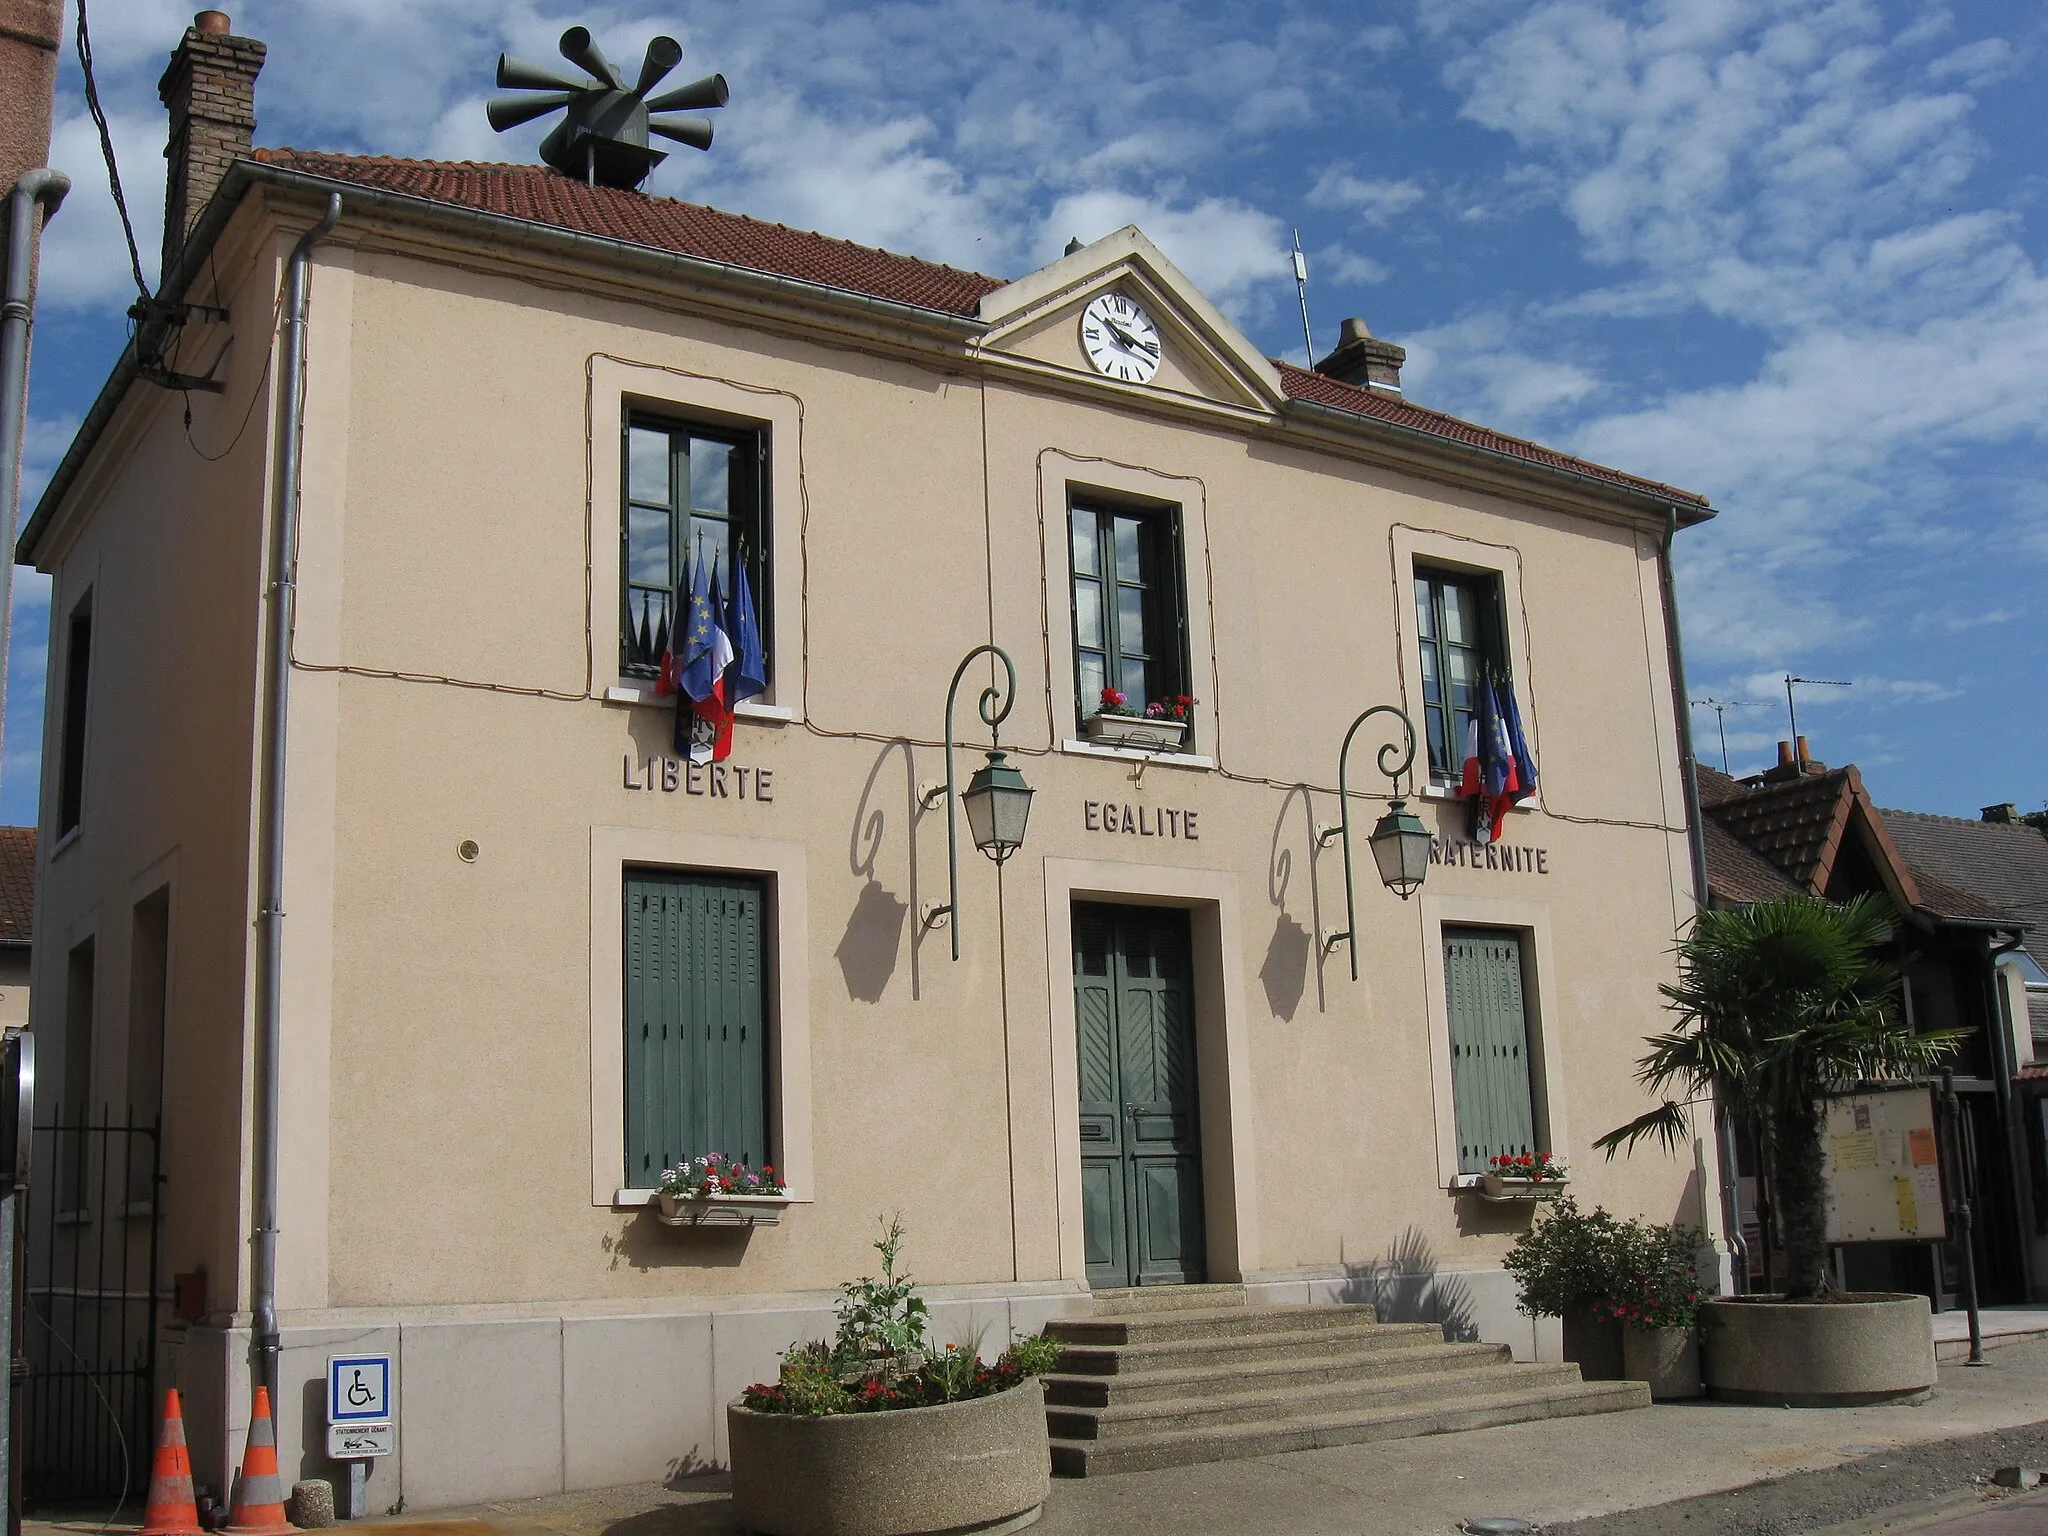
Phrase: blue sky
(1785, 253)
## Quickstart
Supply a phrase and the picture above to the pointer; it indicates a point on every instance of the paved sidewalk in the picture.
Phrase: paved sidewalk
(2000, 1326)
(1550, 1472)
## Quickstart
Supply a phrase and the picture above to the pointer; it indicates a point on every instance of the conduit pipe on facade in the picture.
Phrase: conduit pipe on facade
(1696, 849)
(43, 189)
(284, 558)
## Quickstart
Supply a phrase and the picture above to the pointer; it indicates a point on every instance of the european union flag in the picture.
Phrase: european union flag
(750, 665)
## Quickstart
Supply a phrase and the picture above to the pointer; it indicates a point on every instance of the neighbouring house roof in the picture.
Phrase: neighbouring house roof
(1764, 840)
(17, 885)
(541, 196)
(1800, 824)
(1738, 873)
(2003, 864)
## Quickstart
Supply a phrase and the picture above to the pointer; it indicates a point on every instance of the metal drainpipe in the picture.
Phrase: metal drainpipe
(284, 556)
(2006, 1063)
(1696, 848)
(17, 312)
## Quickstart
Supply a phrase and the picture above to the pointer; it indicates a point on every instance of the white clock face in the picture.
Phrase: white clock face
(1120, 339)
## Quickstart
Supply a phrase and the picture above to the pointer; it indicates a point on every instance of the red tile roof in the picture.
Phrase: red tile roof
(17, 884)
(1305, 385)
(542, 196)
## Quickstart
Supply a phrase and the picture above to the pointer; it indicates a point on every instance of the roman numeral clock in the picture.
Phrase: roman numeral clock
(1120, 339)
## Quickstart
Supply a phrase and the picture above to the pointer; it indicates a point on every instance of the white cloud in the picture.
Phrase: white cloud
(84, 257)
(1376, 201)
(1481, 367)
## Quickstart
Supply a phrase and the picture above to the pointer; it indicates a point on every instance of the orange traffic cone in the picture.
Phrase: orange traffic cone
(259, 1501)
(171, 1511)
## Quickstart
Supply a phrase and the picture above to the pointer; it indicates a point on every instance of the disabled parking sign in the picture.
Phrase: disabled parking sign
(359, 1406)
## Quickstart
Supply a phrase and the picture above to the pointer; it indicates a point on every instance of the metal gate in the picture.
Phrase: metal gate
(91, 1303)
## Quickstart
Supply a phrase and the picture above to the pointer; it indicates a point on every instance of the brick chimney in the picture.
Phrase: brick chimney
(1362, 358)
(1794, 762)
(210, 89)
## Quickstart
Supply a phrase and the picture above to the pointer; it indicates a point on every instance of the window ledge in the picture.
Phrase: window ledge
(1189, 760)
(1452, 792)
(629, 1199)
(634, 693)
(67, 840)
(1464, 1181)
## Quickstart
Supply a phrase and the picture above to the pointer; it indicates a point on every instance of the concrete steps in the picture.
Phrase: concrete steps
(1174, 1375)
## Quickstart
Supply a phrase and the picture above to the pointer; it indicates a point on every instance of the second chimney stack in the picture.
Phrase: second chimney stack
(210, 89)
(1363, 359)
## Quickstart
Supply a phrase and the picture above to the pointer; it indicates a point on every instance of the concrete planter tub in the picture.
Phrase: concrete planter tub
(1666, 1358)
(981, 1466)
(1870, 1347)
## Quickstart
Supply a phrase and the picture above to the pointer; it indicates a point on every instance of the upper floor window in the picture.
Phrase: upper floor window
(1130, 611)
(71, 747)
(691, 491)
(1458, 620)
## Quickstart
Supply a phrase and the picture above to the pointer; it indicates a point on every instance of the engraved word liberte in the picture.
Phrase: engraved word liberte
(718, 780)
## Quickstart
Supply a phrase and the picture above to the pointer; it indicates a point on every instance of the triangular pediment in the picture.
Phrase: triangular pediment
(1036, 322)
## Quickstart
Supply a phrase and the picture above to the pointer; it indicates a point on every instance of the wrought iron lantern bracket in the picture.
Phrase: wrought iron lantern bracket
(1398, 822)
(994, 708)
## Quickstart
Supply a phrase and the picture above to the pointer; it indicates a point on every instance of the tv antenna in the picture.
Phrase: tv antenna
(1301, 288)
(602, 137)
(1792, 709)
(1720, 707)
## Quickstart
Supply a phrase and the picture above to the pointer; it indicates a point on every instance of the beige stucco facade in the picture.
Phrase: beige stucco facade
(451, 1128)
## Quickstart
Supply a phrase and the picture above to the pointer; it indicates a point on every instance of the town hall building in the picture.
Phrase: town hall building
(370, 861)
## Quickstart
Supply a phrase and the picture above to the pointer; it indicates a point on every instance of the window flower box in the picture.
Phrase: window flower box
(720, 1191)
(1499, 1187)
(722, 1210)
(1529, 1176)
(1159, 727)
(1135, 731)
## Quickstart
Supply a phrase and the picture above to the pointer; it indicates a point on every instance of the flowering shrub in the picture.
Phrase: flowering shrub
(1658, 1285)
(1537, 1166)
(808, 1386)
(1116, 702)
(716, 1174)
(1631, 1271)
(878, 1361)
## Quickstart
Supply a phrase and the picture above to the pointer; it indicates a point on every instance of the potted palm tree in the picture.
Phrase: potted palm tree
(1779, 1004)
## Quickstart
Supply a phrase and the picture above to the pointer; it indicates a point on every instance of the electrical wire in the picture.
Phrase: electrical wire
(99, 118)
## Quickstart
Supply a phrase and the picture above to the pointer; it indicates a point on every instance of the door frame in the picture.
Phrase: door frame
(1222, 1049)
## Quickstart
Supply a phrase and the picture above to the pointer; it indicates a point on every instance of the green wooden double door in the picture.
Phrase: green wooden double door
(1141, 1132)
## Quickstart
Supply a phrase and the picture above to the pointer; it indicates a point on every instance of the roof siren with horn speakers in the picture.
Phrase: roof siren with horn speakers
(602, 137)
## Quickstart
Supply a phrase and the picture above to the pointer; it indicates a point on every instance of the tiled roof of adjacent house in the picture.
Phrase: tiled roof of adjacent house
(1736, 872)
(1796, 824)
(17, 884)
(542, 196)
(2002, 863)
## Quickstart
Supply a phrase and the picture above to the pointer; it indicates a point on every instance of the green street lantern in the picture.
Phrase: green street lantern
(1399, 841)
(1400, 846)
(998, 803)
(998, 800)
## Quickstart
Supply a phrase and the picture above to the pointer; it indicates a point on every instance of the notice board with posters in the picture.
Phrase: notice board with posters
(1883, 1167)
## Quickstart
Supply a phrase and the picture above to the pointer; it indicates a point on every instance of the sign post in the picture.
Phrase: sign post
(359, 1420)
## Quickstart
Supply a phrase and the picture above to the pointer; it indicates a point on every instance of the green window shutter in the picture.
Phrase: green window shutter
(695, 1022)
(1490, 1079)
